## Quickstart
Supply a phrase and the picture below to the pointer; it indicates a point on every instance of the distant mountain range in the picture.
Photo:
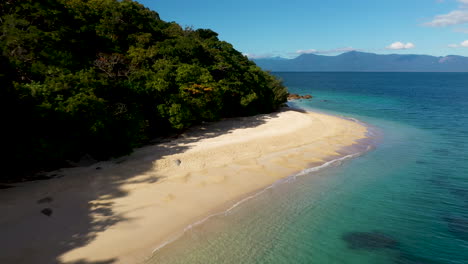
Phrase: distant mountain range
(355, 61)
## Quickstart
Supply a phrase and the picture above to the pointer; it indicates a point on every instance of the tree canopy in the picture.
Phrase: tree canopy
(101, 77)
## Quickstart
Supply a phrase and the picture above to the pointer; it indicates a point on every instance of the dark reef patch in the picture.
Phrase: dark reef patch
(377, 240)
(369, 240)
(458, 226)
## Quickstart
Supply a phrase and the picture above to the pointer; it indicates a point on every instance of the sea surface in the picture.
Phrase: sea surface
(406, 201)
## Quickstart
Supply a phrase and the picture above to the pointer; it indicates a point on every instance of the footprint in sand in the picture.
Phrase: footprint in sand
(186, 178)
(47, 211)
(218, 179)
(169, 197)
(47, 199)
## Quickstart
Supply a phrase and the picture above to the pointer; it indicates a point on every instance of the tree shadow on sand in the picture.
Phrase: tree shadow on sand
(81, 204)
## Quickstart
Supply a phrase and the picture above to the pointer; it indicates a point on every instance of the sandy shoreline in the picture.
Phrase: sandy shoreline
(119, 211)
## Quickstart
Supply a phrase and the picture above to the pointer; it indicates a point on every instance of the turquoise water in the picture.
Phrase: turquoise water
(406, 201)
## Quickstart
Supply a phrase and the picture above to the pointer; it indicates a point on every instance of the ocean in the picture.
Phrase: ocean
(405, 201)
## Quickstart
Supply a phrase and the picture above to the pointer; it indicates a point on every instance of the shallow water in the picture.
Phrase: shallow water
(404, 202)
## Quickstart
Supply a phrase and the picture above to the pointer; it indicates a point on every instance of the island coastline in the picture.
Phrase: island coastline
(197, 169)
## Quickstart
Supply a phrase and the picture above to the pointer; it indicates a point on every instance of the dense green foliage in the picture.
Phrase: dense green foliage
(100, 77)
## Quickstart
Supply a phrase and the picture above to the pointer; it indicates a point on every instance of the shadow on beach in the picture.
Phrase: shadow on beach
(43, 220)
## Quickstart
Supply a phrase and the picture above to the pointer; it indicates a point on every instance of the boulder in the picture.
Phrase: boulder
(297, 96)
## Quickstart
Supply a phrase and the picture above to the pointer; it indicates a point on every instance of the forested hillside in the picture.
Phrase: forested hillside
(101, 77)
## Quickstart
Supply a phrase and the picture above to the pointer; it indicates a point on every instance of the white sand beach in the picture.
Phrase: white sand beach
(119, 211)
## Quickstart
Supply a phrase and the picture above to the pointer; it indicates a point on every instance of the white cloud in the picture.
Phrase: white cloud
(453, 18)
(456, 17)
(346, 49)
(463, 44)
(399, 45)
(409, 45)
(314, 51)
(308, 51)
(258, 56)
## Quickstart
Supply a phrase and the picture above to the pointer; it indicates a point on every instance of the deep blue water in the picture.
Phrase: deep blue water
(404, 202)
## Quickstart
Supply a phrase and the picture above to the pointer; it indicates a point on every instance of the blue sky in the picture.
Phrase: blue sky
(262, 28)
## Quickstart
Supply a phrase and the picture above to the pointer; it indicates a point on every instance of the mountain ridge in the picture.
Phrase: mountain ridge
(356, 61)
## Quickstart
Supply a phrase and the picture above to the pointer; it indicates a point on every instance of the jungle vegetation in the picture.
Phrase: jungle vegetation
(101, 77)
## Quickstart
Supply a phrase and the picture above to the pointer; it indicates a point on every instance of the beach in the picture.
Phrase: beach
(120, 211)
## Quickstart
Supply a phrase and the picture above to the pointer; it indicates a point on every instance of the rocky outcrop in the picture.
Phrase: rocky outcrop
(297, 96)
